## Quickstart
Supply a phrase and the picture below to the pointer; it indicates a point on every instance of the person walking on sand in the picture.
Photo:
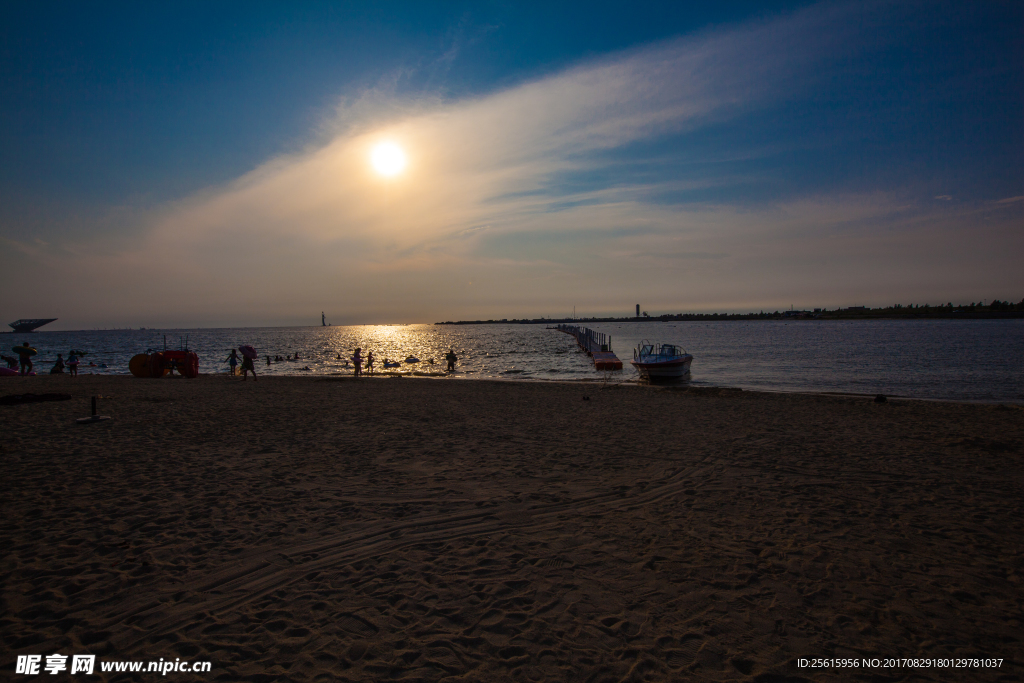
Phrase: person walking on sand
(369, 362)
(233, 361)
(452, 359)
(73, 364)
(25, 358)
(247, 367)
(357, 360)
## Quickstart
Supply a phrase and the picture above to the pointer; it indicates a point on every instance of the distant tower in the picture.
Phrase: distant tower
(638, 310)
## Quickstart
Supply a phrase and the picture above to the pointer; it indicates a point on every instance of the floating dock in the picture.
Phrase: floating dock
(597, 345)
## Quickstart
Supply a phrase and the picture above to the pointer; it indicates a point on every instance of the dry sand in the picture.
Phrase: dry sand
(314, 529)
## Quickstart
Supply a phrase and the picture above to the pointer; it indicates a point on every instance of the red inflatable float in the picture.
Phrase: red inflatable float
(162, 363)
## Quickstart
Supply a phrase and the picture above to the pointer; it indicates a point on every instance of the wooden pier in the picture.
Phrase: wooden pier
(597, 345)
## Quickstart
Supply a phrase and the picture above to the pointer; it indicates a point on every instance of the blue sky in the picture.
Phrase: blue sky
(189, 165)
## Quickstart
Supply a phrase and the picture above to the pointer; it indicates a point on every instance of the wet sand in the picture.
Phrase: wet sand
(314, 529)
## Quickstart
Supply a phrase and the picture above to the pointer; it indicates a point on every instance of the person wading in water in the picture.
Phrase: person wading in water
(25, 358)
(232, 360)
(247, 367)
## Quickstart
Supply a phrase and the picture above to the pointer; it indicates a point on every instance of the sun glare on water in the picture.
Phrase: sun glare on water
(388, 159)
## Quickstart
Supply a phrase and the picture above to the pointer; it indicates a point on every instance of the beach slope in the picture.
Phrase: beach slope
(333, 529)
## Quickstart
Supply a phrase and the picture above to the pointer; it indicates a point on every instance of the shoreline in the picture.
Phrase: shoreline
(504, 530)
(777, 316)
(682, 387)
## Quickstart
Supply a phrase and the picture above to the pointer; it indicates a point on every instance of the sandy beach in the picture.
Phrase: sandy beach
(302, 529)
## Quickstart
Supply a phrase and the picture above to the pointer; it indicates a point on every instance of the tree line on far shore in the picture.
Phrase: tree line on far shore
(994, 309)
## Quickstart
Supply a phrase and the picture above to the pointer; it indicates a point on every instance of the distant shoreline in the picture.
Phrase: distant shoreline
(870, 314)
(997, 310)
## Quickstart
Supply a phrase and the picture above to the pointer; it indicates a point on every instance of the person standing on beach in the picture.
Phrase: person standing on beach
(452, 359)
(73, 363)
(369, 362)
(233, 361)
(247, 367)
(24, 358)
(357, 360)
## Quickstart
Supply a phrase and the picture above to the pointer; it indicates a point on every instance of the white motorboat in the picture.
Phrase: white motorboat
(661, 361)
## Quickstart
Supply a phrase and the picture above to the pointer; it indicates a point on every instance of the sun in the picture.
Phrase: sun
(388, 159)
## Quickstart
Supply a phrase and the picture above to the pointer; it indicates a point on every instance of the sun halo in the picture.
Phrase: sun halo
(388, 159)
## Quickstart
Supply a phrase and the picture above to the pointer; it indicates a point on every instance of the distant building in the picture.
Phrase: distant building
(638, 310)
(29, 324)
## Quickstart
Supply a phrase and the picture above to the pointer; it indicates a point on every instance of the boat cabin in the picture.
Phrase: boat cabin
(658, 351)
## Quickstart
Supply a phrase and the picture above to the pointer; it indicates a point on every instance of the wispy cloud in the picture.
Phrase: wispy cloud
(500, 158)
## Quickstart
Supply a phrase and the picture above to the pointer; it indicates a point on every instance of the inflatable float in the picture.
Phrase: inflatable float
(7, 372)
(161, 363)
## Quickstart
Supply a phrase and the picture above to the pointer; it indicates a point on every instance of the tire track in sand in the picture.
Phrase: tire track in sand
(262, 573)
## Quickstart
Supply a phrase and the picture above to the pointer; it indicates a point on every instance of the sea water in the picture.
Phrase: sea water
(981, 360)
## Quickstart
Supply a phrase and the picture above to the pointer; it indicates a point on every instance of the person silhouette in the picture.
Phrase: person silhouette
(25, 358)
(247, 367)
(232, 360)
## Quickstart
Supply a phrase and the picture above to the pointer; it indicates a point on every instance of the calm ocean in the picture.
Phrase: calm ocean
(980, 360)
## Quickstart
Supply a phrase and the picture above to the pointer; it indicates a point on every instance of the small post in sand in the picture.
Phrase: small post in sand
(94, 417)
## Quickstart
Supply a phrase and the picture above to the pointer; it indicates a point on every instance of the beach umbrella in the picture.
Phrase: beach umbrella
(248, 351)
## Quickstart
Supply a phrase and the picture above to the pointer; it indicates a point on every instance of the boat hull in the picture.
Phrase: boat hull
(664, 370)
